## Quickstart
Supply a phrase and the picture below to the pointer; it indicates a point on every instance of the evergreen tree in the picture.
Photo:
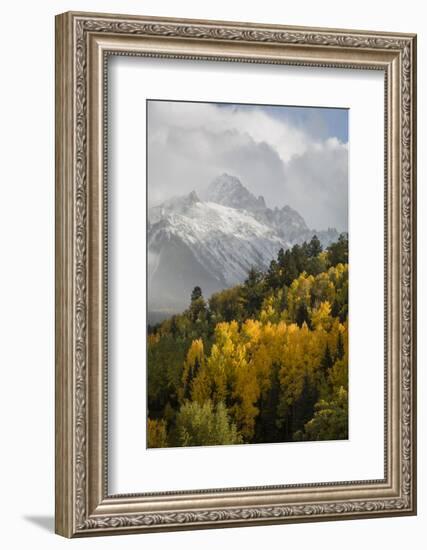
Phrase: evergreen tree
(281, 258)
(252, 292)
(303, 254)
(327, 361)
(196, 294)
(302, 315)
(174, 326)
(314, 247)
(272, 278)
(198, 304)
(303, 408)
(338, 251)
(266, 428)
(299, 254)
(290, 268)
(340, 347)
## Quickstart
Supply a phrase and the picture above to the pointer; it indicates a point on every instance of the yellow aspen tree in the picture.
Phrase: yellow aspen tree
(194, 362)
(321, 317)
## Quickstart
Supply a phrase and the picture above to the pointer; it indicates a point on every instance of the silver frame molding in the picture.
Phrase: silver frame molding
(83, 43)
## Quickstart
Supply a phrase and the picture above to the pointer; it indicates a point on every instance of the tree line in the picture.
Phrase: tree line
(264, 361)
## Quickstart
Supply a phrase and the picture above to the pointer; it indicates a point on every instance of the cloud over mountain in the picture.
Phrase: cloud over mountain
(189, 144)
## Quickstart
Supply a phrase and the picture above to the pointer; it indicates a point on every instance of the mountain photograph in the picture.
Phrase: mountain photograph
(247, 274)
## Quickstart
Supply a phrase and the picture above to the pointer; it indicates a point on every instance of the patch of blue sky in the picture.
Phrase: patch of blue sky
(319, 122)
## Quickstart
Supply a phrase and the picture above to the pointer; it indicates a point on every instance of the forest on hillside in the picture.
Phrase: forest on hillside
(261, 362)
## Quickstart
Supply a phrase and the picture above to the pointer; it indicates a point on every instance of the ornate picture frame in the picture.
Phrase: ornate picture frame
(84, 42)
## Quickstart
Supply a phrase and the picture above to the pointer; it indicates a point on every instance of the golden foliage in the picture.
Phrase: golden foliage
(264, 358)
(156, 434)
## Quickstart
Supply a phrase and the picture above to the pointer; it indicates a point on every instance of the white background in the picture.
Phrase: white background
(27, 275)
(131, 81)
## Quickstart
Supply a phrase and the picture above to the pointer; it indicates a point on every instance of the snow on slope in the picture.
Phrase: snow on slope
(214, 242)
(225, 240)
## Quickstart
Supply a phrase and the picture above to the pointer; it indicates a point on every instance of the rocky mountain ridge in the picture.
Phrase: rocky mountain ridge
(212, 241)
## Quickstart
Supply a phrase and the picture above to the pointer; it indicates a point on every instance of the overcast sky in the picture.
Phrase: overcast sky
(290, 155)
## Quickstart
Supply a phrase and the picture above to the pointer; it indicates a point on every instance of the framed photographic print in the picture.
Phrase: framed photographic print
(235, 274)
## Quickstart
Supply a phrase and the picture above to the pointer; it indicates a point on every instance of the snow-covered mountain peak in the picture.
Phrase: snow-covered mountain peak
(213, 241)
(228, 190)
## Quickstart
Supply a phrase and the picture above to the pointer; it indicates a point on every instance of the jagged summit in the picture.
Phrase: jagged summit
(229, 191)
